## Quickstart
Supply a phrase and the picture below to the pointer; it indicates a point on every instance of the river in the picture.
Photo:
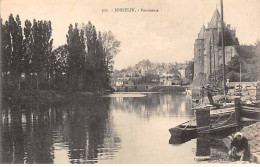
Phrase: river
(119, 128)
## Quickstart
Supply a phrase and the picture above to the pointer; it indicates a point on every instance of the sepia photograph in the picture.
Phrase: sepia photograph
(130, 82)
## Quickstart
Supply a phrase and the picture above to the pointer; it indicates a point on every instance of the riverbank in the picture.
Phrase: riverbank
(44, 96)
(251, 132)
(152, 88)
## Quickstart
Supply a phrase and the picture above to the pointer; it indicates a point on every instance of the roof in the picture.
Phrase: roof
(214, 20)
(201, 33)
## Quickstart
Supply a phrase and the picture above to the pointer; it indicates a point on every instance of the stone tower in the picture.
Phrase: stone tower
(207, 52)
(199, 53)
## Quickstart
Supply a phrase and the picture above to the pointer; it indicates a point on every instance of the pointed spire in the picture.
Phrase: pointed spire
(202, 32)
(214, 20)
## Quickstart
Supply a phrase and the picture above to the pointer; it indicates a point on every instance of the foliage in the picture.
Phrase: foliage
(234, 64)
(236, 42)
(189, 71)
(110, 45)
(76, 57)
(84, 63)
(6, 48)
(148, 79)
(228, 40)
(250, 65)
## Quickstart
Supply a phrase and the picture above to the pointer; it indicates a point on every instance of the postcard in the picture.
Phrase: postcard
(130, 82)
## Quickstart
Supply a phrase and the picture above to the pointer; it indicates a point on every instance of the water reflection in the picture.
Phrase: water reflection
(99, 130)
(77, 132)
(155, 105)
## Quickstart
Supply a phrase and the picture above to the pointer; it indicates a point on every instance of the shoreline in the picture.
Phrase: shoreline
(44, 96)
(53, 96)
(154, 88)
(251, 132)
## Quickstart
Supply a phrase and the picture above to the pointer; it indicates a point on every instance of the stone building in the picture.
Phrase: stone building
(207, 49)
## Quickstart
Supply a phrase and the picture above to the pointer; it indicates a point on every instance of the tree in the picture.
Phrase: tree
(48, 56)
(246, 52)
(85, 62)
(61, 67)
(148, 79)
(93, 63)
(234, 64)
(41, 48)
(6, 48)
(104, 78)
(236, 42)
(257, 45)
(250, 55)
(61, 55)
(228, 40)
(27, 50)
(76, 57)
(111, 48)
(16, 59)
(249, 60)
(189, 71)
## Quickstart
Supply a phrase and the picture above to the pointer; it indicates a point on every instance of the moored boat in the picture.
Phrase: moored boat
(250, 111)
(185, 129)
(208, 121)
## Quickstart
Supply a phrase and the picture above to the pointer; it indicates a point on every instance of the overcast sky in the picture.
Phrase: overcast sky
(165, 36)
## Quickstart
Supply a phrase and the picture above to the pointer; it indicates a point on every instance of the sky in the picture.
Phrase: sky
(164, 36)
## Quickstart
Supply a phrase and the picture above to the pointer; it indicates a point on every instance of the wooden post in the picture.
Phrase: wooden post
(203, 117)
(203, 147)
(214, 83)
(223, 48)
(1, 111)
(210, 66)
(238, 109)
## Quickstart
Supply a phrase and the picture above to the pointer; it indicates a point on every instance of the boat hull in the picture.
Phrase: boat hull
(182, 131)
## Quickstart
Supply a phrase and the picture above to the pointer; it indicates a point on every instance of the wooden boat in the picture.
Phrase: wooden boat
(220, 119)
(223, 123)
(250, 111)
(185, 129)
(176, 140)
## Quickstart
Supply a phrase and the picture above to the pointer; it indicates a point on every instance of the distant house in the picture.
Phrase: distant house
(129, 83)
(119, 83)
(182, 72)
(113, 81)
(173, 77)
(176, 80)
(121, 80)
(170, 79)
